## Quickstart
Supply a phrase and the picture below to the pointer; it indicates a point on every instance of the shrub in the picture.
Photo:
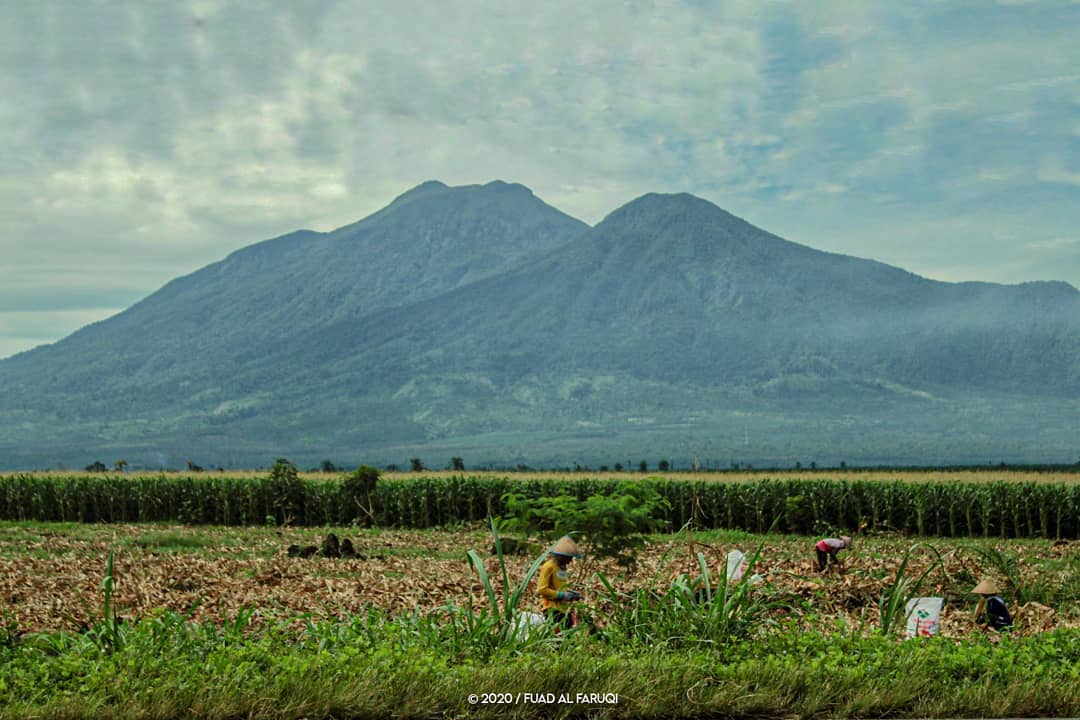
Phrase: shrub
(608, 526)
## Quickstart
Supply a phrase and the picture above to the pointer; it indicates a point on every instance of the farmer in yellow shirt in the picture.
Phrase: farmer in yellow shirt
(556, 601)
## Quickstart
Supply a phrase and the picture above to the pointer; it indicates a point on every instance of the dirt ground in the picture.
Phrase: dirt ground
(51, 576)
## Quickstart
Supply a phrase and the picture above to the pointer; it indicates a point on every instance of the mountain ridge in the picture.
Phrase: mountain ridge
(453, 314)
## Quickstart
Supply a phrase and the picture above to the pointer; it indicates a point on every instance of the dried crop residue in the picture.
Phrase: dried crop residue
(54, 581)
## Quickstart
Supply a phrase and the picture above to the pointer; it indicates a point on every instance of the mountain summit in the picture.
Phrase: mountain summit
(481, 320)
(429, 241)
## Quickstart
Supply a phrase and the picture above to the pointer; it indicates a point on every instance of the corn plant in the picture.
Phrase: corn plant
(695, 609)
(506, 626)
(893, 601)
(1004, 509)
(108, 633)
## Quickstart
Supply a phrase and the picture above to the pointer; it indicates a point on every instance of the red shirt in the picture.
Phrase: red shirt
(831, 545)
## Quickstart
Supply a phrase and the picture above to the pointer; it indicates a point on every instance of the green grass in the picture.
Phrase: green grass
(375, 666)
(31, 531)
(173, 541)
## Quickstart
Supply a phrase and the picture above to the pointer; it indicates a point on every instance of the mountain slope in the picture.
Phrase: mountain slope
(206, 325)
(481, 318)
(673, 288)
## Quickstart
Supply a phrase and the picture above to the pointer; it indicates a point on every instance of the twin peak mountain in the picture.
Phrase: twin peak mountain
(459, 315)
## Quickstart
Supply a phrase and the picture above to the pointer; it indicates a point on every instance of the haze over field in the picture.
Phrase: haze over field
(145, 141)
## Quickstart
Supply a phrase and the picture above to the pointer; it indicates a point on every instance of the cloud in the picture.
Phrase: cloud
(147, 140)
(1054, 173)
(1053, 243)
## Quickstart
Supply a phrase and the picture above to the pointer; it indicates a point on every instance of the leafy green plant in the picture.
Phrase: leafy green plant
(507, 626)
(608, 526)
(108, 633)
(893, 602)
(9, 629)
(695, 610)
(1008, 567)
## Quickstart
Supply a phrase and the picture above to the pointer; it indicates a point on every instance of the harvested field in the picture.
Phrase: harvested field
(51, 575)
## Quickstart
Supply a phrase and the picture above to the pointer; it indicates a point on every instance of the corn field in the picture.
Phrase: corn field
(945, 509)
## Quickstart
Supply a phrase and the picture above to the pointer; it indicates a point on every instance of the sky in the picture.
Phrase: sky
(144, 140)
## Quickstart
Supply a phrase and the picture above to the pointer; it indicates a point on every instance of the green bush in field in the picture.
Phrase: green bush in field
(356, 495)
(608, 526)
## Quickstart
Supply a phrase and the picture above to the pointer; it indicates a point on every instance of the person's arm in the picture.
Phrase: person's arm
(979, 610)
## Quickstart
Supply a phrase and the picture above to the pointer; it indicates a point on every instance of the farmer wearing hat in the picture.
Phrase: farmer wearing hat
(827, 550)
(991, 610)
(555, 600)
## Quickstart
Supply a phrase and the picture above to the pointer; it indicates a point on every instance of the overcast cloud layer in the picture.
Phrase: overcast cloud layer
(144, 140)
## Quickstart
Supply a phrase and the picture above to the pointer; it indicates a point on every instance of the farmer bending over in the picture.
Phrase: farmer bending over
(827, 550)
(555, 600)
(991, 610)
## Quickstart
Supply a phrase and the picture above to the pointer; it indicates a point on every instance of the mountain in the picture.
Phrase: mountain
(480, 320)
(674, 289)
(201, 328)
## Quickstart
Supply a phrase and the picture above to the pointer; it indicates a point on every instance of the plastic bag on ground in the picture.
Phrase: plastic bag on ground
(736, 562)
(923, 616)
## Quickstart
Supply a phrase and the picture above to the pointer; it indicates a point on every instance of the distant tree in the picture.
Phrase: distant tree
(356, 491)
(392, 467)
(603, 468)
(618, 467)
(457, 463)
(798, 465)
(97, 466)
(193, 467)
(120, 465)
(664, 466)
(643, 466)
(416, 465)
(813, 465)
(328, 467)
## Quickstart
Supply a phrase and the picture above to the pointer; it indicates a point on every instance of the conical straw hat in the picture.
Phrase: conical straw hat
(986, 587)
(567, 548)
